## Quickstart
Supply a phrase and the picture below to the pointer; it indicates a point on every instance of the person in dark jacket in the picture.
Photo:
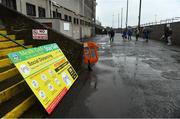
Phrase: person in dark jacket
(112, 34)
(129, 32)
(166, 30)
(169, 38)
(167, 34)
(146, 33)
(124, 35)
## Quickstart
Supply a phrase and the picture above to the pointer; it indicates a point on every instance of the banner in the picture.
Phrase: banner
(47, 72)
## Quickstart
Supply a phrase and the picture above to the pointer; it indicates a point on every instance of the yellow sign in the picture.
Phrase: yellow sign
(47, 72)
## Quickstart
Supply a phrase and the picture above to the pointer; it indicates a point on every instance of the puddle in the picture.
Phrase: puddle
(173, 75)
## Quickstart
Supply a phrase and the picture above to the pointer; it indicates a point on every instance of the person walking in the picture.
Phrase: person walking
(112, 34)
(109, 34)
(169, 38)
(137, 32)
(124, 35)
(146, 34)
(166, 31)
(129, 32)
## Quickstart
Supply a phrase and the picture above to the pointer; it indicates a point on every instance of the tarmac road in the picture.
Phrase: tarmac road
(131, 79)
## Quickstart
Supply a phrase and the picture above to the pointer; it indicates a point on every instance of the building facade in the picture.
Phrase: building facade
(75, 18)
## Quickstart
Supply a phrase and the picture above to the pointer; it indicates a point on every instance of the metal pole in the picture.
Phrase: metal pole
(139, 22)
(93, 19)
(118, 20)
(127, 13)
(113, 21)
(121, 18)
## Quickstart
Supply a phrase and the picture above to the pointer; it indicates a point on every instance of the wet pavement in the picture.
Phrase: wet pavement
(131, 79)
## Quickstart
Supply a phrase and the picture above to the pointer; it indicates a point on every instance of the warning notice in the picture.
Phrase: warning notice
(40, 34)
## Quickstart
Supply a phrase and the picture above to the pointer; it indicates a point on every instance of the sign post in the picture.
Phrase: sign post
(47, 72)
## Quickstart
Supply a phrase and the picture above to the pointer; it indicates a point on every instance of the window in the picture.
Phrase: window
(65, 17)
(81, 22)
(30, 9)
(70, 19)
(9, 3)
(89, 24)
(86, 23)
(77, 21)
(74, 20)
(59, 15)
(54, 14)
(42, 12)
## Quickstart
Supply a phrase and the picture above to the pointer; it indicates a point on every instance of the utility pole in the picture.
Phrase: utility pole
(127, 13)
(139, 22)
(121, 18)
(113, 20)
(118, 20)
(93, 19)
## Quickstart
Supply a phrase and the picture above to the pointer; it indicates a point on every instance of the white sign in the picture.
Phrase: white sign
(66, 27)
(40, 34)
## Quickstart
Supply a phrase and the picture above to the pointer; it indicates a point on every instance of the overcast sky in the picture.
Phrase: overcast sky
(162, 9)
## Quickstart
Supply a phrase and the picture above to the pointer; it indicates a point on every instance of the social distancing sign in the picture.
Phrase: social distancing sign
(47, 72)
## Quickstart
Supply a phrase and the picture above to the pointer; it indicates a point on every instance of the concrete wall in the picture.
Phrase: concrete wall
(79, 9)
(158, 31)
(66, 32)
(22, 26)
(72, 5)
(21, 6)
(74, 30)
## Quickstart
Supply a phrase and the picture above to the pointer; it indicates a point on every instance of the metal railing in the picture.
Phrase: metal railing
(6, 36)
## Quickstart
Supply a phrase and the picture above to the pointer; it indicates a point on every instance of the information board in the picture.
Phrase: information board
(47, 72)
(40, 34)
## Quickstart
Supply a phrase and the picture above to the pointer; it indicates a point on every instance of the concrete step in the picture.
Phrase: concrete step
(33, 113)
(17, 105)
(15, 95)
(7, 44)
(10, 82)
(12, 91)
(3, 57)
(4, 52)
(21, 108)
(6, 68)
(4, 32)
(8, 74)
(4, 62)
(13, 37)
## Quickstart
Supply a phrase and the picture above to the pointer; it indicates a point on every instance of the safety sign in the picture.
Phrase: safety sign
(40, 34)
(47, 72)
